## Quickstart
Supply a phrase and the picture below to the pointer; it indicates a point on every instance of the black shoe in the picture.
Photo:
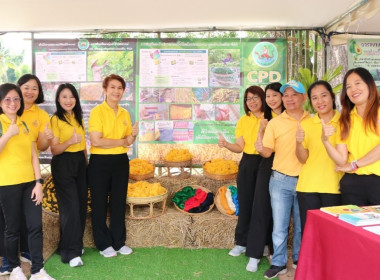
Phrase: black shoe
(275, 270)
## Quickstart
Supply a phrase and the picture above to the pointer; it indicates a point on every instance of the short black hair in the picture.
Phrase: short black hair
(5, 89)
(26, 78)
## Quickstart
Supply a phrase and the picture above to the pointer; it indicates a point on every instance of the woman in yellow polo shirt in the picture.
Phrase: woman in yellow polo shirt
(318, 183)
(111, 133)
(20, 184)
(261, 224)
(68, 168)
(246, 131)
(37, 121)
(357, 152)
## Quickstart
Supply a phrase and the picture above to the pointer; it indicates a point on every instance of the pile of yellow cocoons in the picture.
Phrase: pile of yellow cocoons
(145, 189)
(221, 167)
(178, 155)
(140, 167)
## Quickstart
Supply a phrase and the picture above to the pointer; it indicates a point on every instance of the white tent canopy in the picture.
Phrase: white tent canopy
(168, 15)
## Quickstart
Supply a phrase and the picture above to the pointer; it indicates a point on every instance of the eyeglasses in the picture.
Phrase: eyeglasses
(9, 100)
(253, 98)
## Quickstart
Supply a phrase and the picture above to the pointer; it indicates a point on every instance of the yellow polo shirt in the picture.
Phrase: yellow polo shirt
(318, 173)
(359, 142)
(63, 131)
(113, 126)
(36, 119)
(16, 157)
(280, 136)
(248, 127)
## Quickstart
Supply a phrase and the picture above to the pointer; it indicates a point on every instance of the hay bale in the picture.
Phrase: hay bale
(50, 229)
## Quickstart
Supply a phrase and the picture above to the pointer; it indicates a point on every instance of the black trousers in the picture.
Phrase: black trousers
(69, 176)
(360, 190)
(23, 235)
(16, 203)
(261, 225)
(310, 201)
(108, 176)
(246, 183)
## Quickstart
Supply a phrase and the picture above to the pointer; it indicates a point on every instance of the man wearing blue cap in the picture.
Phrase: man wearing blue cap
(280, 138)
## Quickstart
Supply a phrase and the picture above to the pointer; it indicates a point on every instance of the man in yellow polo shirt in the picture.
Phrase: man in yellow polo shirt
(280, 137)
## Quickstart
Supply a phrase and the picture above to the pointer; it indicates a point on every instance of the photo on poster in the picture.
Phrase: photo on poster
(224, 77)
(202, 95)
(227, 112)
(50, 90)
(147, 132)
(91, 92)
(103, 63)
(180, 112)
(164, 131)
(225, 95)
(149, 95)
(224, 58)
(154, 112)
(204, 112)
(183, 95)
(183, 131)
(166, 95)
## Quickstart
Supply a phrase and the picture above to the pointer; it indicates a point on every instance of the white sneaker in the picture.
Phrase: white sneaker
(252, 265)
(17, 274)
(76, 262)
(42, 275)
(237, 251)
(108, 252)
(125, 250)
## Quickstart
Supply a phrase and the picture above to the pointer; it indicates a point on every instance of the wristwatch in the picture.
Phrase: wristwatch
(40, 180)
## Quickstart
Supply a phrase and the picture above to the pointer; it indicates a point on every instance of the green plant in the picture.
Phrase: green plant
(307, 78)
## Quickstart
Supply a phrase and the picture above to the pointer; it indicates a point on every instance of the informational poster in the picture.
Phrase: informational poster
(365, 53)
(84, 63)
(195, 87)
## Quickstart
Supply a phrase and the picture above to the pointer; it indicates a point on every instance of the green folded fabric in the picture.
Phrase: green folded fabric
(180, 197)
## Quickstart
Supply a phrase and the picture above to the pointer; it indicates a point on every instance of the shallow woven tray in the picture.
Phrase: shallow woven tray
(220, 207)
(148, 201)
(178, 163)
(187, 213)
(219, 177)
(141, 177)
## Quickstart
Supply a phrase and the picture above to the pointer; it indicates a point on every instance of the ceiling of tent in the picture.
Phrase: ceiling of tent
(169, 15)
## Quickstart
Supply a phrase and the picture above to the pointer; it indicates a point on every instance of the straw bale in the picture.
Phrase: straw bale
(213, 230)
(50, 228)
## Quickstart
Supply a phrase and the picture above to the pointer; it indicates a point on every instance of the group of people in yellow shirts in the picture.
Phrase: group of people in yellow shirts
(25, 129)
(293, 162)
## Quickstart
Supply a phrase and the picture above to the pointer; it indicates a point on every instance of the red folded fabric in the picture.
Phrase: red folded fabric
(196, 200)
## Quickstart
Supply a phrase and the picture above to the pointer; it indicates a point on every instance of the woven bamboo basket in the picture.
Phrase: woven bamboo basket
(219, 177)
(220, 207)
(147, 201)
(141, 177)
(195, 214)
(184, 168)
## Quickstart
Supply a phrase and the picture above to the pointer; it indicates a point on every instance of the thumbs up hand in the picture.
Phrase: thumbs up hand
(48, 133)
(13, 128)
(75, 138)
(300, 134)
(327, 130)
(222, 142)
(135, 129)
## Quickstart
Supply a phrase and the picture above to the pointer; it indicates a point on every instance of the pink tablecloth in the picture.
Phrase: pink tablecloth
(335, 250)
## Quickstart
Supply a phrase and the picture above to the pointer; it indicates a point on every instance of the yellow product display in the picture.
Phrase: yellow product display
(49, 201)
(178, 155)
(145, 189)
(140, 167)
(221, 166)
